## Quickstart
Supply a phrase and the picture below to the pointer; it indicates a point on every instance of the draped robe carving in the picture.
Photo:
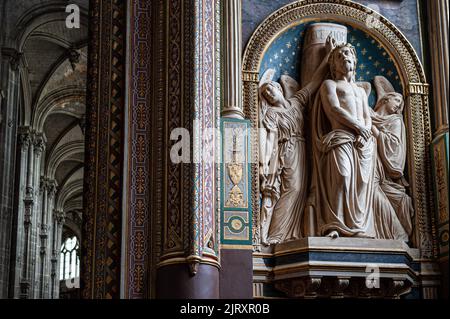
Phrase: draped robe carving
(393, 208)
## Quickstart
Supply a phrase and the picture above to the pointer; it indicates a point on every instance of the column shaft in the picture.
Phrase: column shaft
(232, 64)
(9, 106)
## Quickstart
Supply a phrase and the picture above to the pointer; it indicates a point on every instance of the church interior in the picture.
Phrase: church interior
(237, 149)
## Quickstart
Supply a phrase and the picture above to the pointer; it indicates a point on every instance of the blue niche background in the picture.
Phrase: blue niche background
(285, 54)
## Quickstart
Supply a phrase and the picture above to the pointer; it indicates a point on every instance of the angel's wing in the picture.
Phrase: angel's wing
(382, 86)
(267, 76)
(366, 86)
(290, 86)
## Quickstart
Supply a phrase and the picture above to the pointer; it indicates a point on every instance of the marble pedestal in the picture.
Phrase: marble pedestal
(320, 267)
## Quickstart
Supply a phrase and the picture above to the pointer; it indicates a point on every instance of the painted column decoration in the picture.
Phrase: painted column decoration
(235, 206)
(101, 234)
(439, 53)
(236, 229)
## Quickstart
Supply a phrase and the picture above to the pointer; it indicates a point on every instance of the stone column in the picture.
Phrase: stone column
(47, 194)
(39, 148)
(18, 240)
(9, 106)
(28, 200)
(48, 221)
(104, 159)
(188, 265)
(232, 64)
(2, 96)
(314, 46)
(439, 53)
(43, 234)
(58, 222)
(438, 38)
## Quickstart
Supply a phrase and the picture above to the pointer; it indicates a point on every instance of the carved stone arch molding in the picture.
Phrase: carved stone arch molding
(415, 90)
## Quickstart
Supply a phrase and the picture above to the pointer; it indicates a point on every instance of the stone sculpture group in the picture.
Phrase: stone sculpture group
(330, 165)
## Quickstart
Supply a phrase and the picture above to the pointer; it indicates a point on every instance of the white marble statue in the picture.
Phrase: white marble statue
(393, 208)
(282, 152)
(344, 152)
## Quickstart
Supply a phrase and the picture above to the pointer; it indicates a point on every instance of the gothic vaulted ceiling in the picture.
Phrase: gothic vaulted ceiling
(56, 63)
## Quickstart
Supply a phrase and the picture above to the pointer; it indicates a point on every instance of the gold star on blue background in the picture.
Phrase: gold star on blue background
(285, 54)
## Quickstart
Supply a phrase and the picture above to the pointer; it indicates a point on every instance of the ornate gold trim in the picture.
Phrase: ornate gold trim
(250, 76)
(240, 247)
(418, 88)
(413, 80)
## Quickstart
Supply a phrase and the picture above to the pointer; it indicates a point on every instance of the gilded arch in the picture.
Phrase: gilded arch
(415, 91)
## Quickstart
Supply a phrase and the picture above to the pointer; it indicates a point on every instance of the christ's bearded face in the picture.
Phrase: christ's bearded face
(343, 60)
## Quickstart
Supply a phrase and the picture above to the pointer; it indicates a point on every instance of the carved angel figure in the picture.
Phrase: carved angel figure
(393, 208)
(282, 152)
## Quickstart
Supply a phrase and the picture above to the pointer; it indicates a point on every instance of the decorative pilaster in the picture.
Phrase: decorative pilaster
(140, 163)
(102, 229)
(232, 63)
(439, 52)
(236, 217)
(438, 25)
(187, 241)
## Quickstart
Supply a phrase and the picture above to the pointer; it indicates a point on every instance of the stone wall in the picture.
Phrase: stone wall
(404, 14)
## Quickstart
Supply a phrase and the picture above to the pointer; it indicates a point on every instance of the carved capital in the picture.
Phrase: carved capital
(14, 56)
(25, 137)
(44, 230)
(74, 57)
(43, 184)
(52, 188)
(59, 216)
(39, 144)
